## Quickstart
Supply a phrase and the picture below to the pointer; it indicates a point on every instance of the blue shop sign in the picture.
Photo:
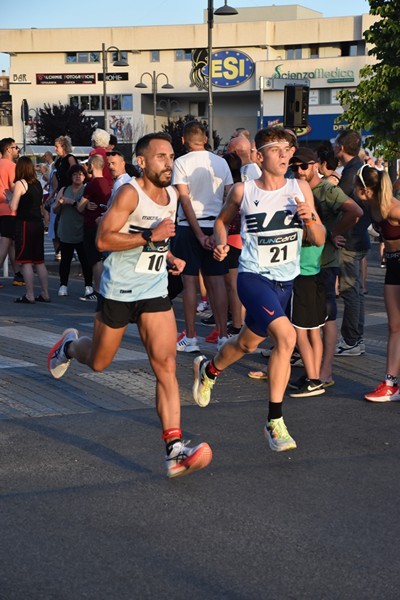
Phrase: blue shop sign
(230, 68)
(320, 127)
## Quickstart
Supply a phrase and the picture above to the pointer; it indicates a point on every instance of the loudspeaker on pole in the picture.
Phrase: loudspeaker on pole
(295, 110)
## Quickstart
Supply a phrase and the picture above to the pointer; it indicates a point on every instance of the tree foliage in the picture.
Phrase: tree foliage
(375, 104)
(175, 130)
(59, 119)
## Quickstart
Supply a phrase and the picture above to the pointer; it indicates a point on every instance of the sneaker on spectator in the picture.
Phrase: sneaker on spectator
(310, 387)
(295, 360)
(209, 321)
(63, 291)
(278, 436)
(212, 338)
(384, 393)
(186, 344)
(183, 460)
(221, 341)
(203, 384)
(89, 295)
(232, 331)
(18, 279)
(343, 349)
(361, 345)
(298, 383)
(202, 307)
(57, 361)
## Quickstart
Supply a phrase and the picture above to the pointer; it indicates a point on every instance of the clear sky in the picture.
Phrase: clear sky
(101, 13)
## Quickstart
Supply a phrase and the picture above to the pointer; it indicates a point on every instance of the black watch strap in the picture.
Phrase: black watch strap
(146, 235)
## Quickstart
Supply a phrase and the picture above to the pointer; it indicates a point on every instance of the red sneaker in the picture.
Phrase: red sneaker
(212, 338)
(384, 393)
(181, 335)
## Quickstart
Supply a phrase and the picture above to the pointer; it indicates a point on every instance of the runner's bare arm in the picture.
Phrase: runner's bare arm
(225, 218)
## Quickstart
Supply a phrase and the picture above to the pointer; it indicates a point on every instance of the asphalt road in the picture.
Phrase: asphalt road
(88, 513)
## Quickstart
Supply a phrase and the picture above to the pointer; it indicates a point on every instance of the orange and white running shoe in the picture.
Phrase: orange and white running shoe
(183, 460)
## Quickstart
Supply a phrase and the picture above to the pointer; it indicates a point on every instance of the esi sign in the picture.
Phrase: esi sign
(230, 68)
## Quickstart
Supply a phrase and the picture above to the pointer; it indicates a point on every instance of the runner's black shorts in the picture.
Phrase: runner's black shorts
(116, 314)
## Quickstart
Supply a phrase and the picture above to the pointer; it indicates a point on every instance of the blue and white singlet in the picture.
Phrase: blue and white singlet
(271, 231)
(140, 273)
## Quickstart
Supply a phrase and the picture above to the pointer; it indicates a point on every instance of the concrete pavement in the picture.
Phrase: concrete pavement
(87, 511)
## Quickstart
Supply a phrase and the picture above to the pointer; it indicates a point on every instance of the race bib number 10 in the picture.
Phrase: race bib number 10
(277, 248)
(153, 259)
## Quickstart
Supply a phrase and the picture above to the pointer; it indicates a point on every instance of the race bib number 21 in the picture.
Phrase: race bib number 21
(277, 248)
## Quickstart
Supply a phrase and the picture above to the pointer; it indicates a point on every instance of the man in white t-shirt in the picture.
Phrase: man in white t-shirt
(116, 164)
(203, 179)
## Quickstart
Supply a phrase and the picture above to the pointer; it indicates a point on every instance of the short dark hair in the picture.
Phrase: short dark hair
(350, 140)
(193, 128)
(326, 155)
(272, 134)
(5, 143)
(75, 169)
(144, 141)
(113, 140)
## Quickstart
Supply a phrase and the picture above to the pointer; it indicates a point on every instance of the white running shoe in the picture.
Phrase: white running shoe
(63, 291)
(186, 344)
(57, 361)
(184, 460)
(202, 307)
(221, 341)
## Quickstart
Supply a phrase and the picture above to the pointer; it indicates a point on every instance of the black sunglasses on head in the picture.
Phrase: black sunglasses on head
(302, 166)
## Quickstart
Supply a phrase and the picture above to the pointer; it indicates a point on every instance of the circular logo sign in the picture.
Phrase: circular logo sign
(230, 68)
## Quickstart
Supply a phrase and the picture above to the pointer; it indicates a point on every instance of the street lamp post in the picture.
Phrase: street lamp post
(223, 11)
(169, 106)
(120, 62)
(154, 79)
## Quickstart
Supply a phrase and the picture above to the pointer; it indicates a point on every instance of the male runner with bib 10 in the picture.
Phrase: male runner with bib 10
(136, 231)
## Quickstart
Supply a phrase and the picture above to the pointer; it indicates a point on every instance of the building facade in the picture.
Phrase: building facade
(255, 54)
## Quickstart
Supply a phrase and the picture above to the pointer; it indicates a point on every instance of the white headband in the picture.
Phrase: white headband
(272, 144)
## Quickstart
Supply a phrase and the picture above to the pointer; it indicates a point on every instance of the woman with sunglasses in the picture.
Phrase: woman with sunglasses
(375, 187)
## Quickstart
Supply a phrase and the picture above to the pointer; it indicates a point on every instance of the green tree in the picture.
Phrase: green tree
(59, 119)
(375, 104)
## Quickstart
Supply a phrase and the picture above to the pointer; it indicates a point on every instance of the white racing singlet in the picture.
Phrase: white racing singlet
(271, 231)
(140, 273)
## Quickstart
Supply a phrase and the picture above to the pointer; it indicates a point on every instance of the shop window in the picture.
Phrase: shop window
(183, 55)
(115, 102)
(114, 55)
(83, 57)
(314, 51)
(293, 53)
(154, 56)
(126, 102)
(325, 96)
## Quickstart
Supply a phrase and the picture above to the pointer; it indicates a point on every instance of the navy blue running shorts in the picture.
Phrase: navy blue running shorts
(392, 276)
(263, 299)
(187, 247)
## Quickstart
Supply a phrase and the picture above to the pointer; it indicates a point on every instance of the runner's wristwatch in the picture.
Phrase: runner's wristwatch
(146, 235)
